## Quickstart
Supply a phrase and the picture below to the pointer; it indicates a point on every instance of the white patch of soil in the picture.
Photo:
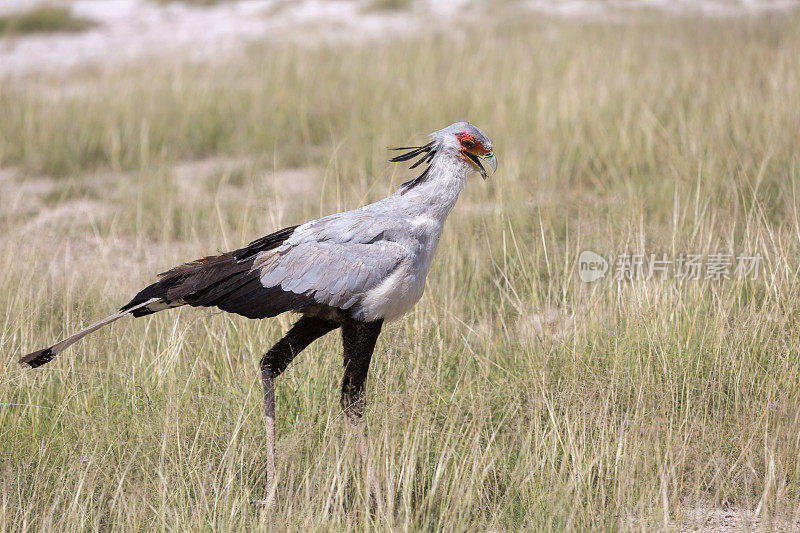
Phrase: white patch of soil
(126, 30)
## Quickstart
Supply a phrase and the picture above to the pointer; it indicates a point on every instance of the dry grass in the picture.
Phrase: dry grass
(514, 396)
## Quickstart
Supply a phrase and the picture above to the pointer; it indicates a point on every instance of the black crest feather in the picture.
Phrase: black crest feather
(425, 154)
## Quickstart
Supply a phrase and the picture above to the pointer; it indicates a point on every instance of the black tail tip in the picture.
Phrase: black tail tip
(38, 358)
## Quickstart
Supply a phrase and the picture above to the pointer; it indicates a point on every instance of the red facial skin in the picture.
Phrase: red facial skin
(464, 136)
(476, 147)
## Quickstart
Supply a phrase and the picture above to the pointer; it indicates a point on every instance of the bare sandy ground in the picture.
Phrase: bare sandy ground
(136, 29)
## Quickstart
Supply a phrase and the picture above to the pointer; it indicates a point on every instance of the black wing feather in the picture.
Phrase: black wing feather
(226, 281)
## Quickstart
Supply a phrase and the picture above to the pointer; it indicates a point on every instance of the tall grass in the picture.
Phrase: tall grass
(514, 396)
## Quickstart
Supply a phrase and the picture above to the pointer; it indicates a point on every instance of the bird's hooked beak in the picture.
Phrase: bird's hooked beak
(475, 159)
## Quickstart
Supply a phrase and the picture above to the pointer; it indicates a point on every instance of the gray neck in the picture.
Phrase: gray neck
(437, 194)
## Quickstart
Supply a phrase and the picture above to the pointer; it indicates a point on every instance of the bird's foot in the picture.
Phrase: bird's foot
(265, 503)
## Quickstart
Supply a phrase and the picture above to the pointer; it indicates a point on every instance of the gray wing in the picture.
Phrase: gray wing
(337, 259)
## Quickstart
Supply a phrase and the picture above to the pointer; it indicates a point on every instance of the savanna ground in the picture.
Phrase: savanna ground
(514, 396)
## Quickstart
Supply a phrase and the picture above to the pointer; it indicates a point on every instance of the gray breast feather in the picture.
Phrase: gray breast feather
(339, 258)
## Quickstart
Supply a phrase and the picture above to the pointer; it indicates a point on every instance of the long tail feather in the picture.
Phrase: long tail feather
(229, 281)
(40, 357)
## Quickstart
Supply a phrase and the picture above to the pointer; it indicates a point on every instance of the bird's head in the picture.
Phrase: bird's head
(467, 142)
(461, 140)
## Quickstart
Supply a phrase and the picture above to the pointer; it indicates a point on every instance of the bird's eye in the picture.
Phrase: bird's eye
(468, 144)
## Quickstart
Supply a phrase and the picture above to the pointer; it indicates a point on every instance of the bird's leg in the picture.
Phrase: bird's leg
(275, 361)
(268, 382)
(359, 340)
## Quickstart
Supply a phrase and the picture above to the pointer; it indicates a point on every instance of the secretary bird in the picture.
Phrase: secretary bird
(351, 270)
